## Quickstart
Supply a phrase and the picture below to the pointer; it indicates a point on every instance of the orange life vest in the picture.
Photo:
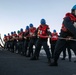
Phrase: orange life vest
(26, 32)
(63, 28)
(42, 31)
(32, 31)
(20, 35)
(5, 39)
(54, 37)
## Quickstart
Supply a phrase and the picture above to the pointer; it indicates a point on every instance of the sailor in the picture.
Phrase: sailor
(26, 40)
(68, 31)
(53, 40)
(43, 33)
(21, 42)
(33, 39)
(5, 41)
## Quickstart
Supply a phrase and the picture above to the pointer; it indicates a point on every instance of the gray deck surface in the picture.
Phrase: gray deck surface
(15, 64)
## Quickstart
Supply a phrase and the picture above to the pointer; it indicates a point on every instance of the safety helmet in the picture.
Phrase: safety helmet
(31, 25)
(11, 32)
(43, 21)
(4, 34)
(18, 31)
(8, 33)
(74, 7)
(27, 27)
(21, 30)
(14, 31)
(54, 30)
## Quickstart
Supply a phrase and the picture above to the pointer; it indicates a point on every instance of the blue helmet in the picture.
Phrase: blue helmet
(54, 30)
(14, 31)
(21, 30)
(27, 27)
(4, 34)
(43, 21)
(74, 7)
(31, 25)
(8, 33)
(11, 32)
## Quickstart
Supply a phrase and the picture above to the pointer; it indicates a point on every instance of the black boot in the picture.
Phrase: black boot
(49, 61)
(28, 55)
(74, 61)
(54, 64)
(63, 59)
(34, 58)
